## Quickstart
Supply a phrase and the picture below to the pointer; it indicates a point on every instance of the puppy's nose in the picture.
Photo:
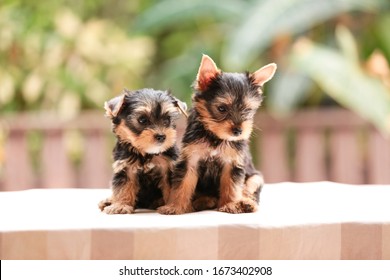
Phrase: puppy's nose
(237, 131)
(160, 137)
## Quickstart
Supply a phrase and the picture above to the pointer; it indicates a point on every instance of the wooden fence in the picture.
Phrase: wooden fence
(327, 144)
(39, 151)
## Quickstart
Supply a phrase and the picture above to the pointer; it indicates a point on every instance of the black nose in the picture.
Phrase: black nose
(160, 137)
(237, 131)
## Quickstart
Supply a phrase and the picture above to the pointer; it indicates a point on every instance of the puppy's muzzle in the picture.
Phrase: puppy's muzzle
(237, 131)
(160, 138)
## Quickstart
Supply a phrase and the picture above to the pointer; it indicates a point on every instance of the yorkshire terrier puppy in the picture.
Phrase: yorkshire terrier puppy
(144, 124)
(215, 168)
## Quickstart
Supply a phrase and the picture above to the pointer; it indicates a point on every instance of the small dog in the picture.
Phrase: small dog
(215, 168)
(144, 124)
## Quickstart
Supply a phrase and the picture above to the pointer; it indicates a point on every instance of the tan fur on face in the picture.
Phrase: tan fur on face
(143, 109)
(124, 133)
(247, 127)
(207, 119)
(146, 142)
(223, 129)
(147, 107)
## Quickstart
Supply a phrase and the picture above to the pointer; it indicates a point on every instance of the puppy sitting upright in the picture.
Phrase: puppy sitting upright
(215, 168)
(143, 121)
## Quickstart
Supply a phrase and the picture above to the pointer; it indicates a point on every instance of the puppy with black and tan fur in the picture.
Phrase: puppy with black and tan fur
(215, 168)
(144, 124)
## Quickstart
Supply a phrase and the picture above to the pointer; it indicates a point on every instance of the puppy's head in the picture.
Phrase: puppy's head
(227, 102)
(145, 119)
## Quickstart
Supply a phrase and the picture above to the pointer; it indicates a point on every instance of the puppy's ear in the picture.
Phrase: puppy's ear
(207, 71)
(181, 106)
(264, 74)
(114, 106)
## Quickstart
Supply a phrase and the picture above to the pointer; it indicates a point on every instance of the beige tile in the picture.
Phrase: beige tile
(361, 241)
(238, 242)
(112, 244)
(69, 245)
(316, 242)
(197, 243)
(386, 242)
(155, 244)
(1, 246)
(27, 245)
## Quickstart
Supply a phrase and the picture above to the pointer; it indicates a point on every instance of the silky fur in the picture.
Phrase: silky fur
(215, 168)
(144, 124)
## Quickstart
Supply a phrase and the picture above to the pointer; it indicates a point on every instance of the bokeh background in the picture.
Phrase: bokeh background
(60, 60)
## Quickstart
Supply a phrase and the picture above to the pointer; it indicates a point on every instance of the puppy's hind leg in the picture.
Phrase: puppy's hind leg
(252, 187)
(231, 198)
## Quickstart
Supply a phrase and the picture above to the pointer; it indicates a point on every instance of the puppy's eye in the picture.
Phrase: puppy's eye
(167, 122)
(142, 120)
(222, 108)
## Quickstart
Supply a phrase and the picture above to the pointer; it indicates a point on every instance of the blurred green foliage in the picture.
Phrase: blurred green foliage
(53, 58)
(70, 55)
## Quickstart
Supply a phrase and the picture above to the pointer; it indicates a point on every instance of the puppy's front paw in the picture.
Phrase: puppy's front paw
(118, 208)
(104, 203)
(170, 210)
(204, 203)
(236, 207)
(248, 206)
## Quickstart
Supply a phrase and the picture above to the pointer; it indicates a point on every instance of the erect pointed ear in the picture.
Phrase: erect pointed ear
(207, 71)
(114, 106)
(264, 74)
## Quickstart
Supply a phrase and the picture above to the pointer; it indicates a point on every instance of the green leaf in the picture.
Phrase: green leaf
(383, 32)
(269, 19)
(345, 82)
(347, 43)
(171, 12)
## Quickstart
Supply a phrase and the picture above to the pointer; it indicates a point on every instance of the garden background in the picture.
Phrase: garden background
(60, 60)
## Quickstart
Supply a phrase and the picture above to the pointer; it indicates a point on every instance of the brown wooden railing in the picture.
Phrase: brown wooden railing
(327, 144)
(316, 145)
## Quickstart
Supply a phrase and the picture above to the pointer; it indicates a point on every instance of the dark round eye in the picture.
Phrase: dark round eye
(222, 109)
(167, 122)
(142, 120)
